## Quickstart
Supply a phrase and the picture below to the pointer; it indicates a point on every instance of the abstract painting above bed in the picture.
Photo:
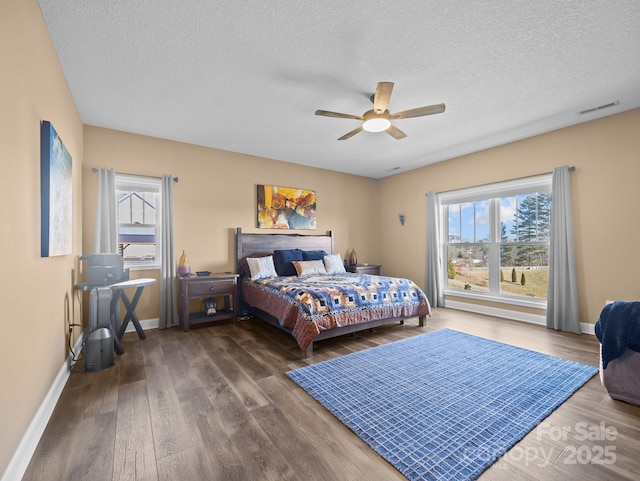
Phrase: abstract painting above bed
(310, 304)
(286, 208)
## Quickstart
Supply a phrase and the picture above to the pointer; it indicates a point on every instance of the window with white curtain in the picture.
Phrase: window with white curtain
(496, 241)
(139, 220)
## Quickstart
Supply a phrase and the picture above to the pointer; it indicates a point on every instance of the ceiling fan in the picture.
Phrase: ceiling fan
(379, 118)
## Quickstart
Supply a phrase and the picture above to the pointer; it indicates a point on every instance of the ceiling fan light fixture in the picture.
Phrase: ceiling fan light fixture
(376, 125)
(378, 119)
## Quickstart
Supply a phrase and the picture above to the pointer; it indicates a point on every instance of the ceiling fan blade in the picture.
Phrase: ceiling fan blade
(338, 115)
(382, 96)
(395, 132)
(351, 134)
(419, 112)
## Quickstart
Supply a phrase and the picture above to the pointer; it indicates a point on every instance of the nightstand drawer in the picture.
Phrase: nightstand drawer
(371, 269)
(211, 287)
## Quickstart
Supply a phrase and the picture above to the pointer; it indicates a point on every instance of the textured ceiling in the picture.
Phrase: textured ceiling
(247, 76)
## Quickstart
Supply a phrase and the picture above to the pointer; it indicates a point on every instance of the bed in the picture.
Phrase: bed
(316, 306)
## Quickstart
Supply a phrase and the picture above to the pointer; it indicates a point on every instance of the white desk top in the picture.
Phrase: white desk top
(144, 281)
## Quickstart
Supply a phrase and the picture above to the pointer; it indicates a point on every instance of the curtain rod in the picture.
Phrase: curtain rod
(571, 169)
(175, 179)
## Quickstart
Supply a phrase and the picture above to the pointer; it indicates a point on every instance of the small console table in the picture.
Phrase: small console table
(118, 293)
(223, 285)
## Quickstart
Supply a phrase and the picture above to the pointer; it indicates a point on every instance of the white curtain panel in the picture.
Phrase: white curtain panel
(562, 296)
(106, 229)
(168, 296)
(433, 268)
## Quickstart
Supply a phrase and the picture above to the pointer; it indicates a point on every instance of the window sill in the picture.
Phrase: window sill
(511, 300)
(140, 267)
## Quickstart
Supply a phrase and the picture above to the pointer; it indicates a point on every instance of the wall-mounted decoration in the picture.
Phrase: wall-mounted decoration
(402, 218)
(286, 208)
(55, 194)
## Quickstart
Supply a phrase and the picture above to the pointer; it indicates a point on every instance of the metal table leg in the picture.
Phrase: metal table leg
(130, 315)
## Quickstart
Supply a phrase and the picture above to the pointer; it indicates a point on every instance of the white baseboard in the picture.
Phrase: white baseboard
(509, 314)
(587, 328)
(146, 324)
(21, 458)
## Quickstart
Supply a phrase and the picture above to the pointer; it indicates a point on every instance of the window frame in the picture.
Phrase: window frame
(128, 182)
(493, 193)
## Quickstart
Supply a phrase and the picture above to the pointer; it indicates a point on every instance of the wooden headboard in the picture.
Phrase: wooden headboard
(256, 245)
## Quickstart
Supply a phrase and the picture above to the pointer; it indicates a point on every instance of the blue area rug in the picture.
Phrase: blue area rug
(443, 405)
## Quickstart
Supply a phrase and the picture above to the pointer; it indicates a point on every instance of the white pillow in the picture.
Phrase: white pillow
(261, 267)
(333, 264)
(306, 268)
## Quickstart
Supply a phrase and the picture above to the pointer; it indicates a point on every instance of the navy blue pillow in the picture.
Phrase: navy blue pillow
(283, 259)
(313, 255)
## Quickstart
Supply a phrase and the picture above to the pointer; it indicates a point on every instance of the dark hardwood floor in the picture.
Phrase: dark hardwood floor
(215, 404)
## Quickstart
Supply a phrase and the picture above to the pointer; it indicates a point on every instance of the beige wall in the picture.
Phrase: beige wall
(216, 193)
(605, 197)
(37, 293)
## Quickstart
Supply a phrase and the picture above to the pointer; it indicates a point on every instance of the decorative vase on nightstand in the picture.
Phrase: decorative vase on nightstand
(184, 268)
(353, 258)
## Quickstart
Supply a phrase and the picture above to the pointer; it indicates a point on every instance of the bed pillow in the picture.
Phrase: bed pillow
(283, 261)
(307, 268)
(261, 267)
(333, 264)
(313, 255)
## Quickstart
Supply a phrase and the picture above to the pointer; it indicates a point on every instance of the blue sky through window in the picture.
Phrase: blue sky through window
(469, 222)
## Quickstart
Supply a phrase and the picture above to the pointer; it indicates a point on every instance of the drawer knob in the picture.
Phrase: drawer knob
(212, 288)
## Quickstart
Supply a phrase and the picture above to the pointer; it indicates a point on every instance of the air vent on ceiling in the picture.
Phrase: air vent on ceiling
(595, 109)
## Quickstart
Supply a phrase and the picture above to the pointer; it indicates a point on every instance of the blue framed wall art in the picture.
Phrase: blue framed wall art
(56, 194)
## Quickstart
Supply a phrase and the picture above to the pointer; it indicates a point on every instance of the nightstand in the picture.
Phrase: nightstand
(371, 269)
(223, 285)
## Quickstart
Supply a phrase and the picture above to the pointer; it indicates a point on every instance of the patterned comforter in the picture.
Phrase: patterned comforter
(309, 304)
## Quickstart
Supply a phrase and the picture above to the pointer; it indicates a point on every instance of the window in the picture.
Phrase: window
(138, 218)
(496, 240)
